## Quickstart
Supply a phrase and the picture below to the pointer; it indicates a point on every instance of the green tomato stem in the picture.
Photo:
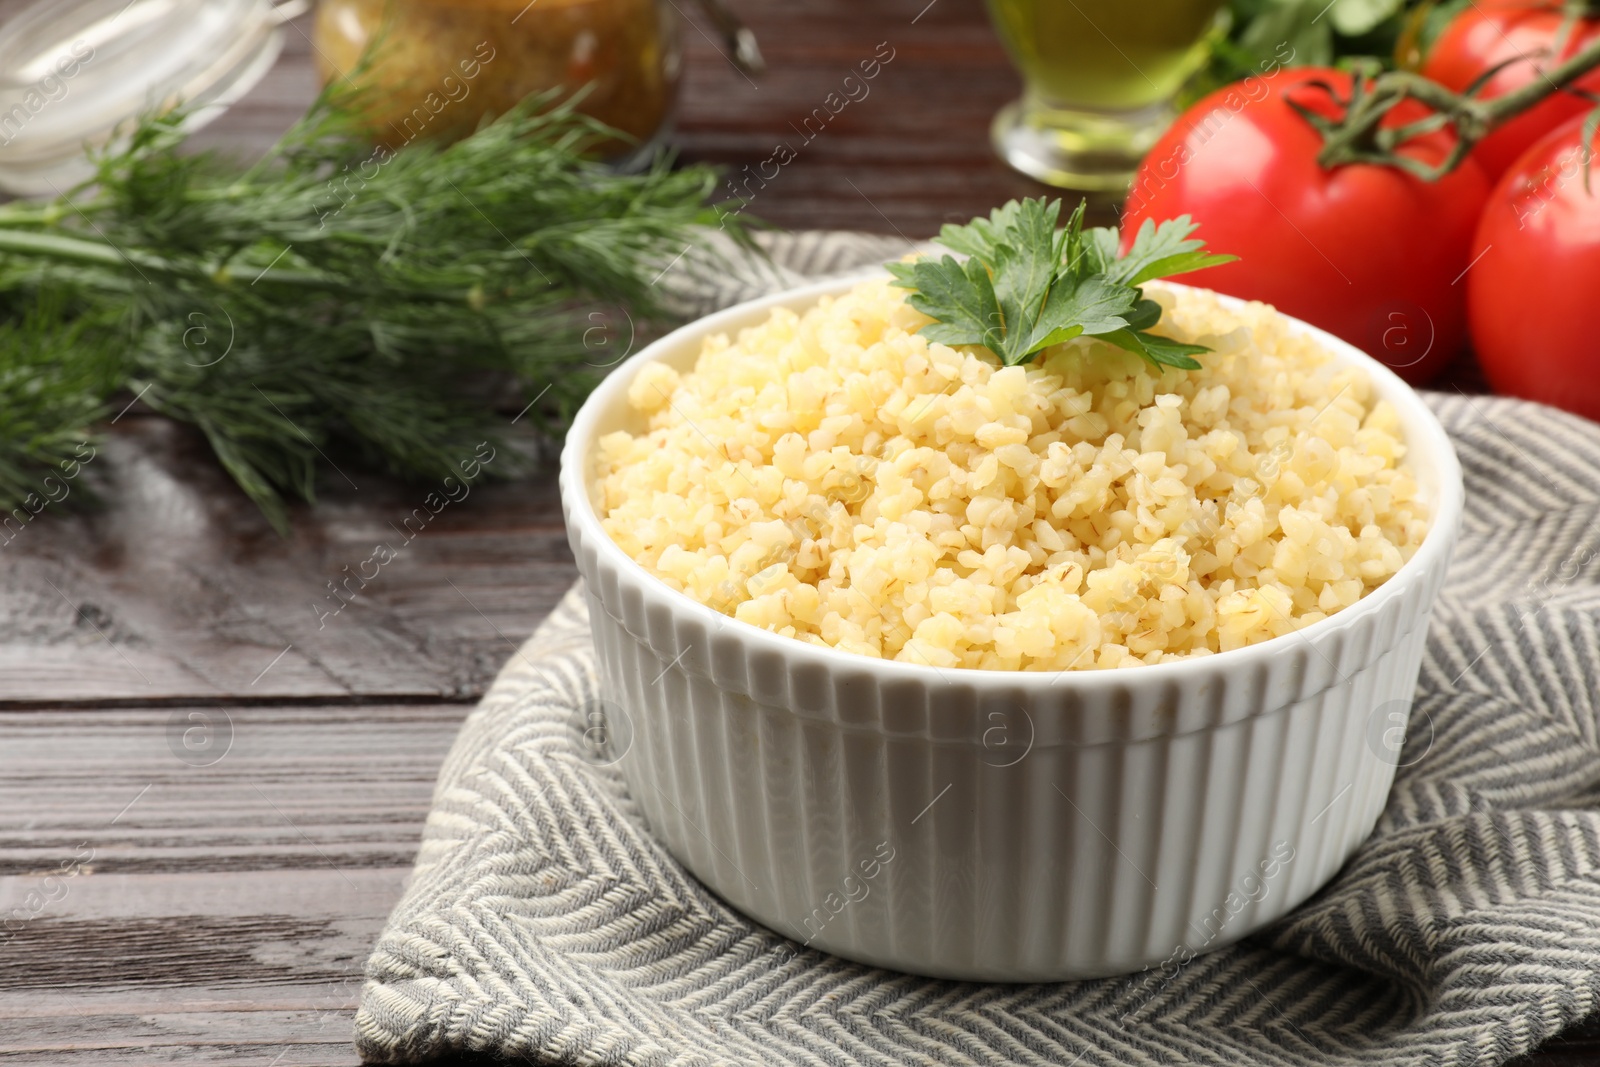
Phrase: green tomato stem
(1360, 137)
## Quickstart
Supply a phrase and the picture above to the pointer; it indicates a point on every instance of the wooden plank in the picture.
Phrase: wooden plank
(177, 589)
(163, 788)
(143, 1051)
(217, 905)
(909, 155)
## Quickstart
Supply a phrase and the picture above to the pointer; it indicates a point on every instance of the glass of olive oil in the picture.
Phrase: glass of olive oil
(1098, 81)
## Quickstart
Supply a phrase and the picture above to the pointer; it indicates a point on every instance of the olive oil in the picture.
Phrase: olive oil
(1098, 81)
(1112, 55)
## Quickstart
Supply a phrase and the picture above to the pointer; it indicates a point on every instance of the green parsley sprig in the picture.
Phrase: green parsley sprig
(1027, 285)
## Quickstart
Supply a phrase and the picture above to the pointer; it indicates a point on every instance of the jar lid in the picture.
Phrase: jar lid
(76, 74)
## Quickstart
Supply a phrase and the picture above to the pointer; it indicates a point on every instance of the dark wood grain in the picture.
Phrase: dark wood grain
(909, 156)
(218, 913)
(234, 884)
(176, 589)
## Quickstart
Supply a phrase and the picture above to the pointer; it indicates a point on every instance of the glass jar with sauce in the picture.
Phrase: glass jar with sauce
(437, 67)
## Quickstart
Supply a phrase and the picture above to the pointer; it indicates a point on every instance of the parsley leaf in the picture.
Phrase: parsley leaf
(1027, 285)
(1162, 251)
(960, 297)
(978, 237)
(1161, 351)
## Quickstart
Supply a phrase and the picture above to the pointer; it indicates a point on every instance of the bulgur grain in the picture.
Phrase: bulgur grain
(834, 477)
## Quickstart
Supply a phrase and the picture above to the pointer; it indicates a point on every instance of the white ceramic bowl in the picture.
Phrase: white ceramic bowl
(995, 825)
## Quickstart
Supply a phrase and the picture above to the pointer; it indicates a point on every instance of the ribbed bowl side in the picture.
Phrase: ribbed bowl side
(991, 854)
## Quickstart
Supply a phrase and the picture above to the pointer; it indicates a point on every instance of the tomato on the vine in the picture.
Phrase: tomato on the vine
(1528, 37)
(1531, 295)
(1368, 252)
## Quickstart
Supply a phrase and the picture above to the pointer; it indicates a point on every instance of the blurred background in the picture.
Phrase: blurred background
(910, 155)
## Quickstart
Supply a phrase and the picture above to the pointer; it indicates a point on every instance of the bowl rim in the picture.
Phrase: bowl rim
(1418, 423)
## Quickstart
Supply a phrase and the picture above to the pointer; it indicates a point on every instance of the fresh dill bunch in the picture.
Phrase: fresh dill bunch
(54, 376)
(337, 298)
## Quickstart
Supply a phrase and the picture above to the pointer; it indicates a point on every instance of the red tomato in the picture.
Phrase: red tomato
(1522, 34)
(1369, 253)
(1531, 295)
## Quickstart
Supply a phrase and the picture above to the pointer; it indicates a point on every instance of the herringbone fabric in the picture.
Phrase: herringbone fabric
(543, 921)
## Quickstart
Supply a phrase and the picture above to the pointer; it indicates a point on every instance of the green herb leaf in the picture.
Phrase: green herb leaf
(1158, 350)
(339, 300)
(1162, 251)
(960, 297)
(1024, 268)
(56, 371)
(1100, 249)
(1026, 285)
(1093, 305)
(1146, 313)
(980, 237)
(1355, 17)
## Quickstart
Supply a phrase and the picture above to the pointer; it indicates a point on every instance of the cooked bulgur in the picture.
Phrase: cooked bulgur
(834, 477)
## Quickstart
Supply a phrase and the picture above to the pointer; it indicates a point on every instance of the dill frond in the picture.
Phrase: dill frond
(335, 297)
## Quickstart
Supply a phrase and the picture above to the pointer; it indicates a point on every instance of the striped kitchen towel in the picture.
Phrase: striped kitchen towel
(542, 920)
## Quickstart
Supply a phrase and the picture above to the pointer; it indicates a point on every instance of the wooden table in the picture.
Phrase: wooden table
(240, 790)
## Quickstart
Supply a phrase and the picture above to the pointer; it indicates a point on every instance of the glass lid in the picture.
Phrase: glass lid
(75, 73)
